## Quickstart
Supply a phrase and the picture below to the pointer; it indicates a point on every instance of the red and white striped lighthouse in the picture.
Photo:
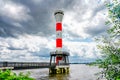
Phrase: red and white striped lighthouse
(59, 16)
(59, 61)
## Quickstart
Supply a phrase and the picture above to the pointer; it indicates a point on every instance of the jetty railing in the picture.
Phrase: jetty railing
(25, 65)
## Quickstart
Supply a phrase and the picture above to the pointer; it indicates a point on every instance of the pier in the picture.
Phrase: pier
(23, 65)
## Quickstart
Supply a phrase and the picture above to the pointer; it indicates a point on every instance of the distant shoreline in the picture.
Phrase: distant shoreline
(81, 63)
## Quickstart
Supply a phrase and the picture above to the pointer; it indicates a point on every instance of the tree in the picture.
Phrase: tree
(110, 44)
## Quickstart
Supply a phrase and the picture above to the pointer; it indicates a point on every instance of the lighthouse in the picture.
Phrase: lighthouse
(59, 59)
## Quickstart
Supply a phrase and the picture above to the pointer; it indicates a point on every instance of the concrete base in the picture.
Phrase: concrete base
(59, 70)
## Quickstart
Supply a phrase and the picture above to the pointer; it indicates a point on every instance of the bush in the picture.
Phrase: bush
(9, 75)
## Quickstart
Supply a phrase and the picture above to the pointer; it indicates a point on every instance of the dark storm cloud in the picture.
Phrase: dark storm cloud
(7, 29)
(42, 20)
(13, 48)
(96, 30)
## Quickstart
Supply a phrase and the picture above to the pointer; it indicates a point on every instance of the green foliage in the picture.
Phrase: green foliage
(9, 75)
(110, 61)
(114, 18)
(110, 45)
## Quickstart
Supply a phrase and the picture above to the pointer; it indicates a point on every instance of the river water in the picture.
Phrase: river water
(77, 72)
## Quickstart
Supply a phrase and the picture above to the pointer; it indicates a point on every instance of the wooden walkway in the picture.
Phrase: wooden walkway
(23, 65)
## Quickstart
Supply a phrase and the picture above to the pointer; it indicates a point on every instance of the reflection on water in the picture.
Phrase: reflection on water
(59, 77)
(77, 72)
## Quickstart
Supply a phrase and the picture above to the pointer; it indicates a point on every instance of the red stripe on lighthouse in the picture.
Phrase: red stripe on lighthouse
(58, 26)
(59, 43)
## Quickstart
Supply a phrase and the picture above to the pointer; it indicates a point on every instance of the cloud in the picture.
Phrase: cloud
(27, 28)
(36, 16)
(13, 11)
(82, 49)
(11, 16)
(97, 25)
(85, 20)
(25, 47)
(32, 48)
(42, 22)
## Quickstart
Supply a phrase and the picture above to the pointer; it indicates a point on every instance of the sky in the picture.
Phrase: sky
(27, 29)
